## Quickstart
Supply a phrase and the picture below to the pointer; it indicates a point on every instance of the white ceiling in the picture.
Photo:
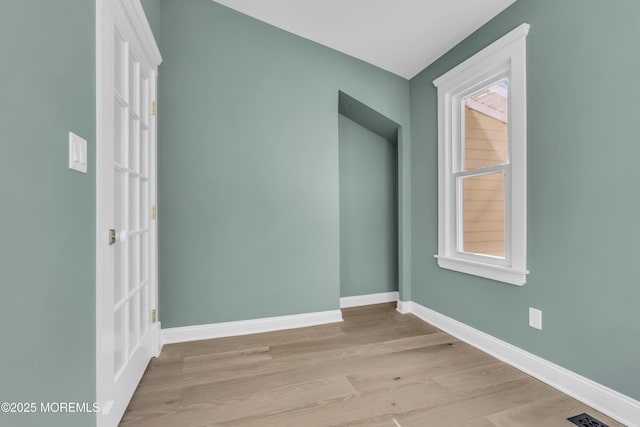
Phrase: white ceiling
(400, 36)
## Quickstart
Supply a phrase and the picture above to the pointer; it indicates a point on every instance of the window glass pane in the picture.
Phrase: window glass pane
(486, 129)
(483, 214)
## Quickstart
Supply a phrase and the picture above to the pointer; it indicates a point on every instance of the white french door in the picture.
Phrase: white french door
(126, 289)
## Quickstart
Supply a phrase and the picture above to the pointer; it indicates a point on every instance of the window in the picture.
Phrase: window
(482, 163)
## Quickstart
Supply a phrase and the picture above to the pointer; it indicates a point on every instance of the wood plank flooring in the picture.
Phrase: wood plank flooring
(377, 368)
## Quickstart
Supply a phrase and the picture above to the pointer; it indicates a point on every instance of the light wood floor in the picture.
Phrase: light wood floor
(377, 368)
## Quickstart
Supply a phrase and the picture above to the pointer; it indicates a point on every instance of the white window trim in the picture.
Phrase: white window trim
(504, 57)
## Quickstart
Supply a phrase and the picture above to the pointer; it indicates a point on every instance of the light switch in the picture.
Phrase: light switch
(77, 153)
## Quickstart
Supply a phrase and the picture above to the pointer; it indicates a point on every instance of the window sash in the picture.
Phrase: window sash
(458, 123)
(458, 235)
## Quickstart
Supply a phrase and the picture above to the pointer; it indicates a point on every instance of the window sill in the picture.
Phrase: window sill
(488, 271)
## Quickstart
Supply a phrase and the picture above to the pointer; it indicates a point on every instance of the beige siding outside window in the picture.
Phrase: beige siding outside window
(486, 144)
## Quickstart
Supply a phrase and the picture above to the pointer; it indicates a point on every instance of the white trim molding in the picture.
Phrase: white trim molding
(156, 339)
(610, 402)
(137, 19)
(246, 327)
(359, 300)
(500, 273)
(503, 60)
(502, 43)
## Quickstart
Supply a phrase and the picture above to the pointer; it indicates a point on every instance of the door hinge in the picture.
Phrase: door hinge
(153, 108)
(153, 212)
(153, 316)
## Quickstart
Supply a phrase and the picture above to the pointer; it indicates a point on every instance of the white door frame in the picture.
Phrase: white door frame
(137, 22)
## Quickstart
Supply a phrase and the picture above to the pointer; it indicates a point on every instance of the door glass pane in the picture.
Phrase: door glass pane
(144, 152)
(120, 194)
(118, 132)
(120, 249)
(144, 257)
(133, 322)
(118, 70)
(144, 108)
(144, 204)
(133, 203)
(119, 283)
(142, 209)
(483, 214)
(134, 132)
(119, 339)
(144, 308)
(134, 84)
(134, 268)
(486, 128)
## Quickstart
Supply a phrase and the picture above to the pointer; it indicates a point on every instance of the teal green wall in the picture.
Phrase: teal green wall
(248, 164)
(47, 253)
(152, 11)
(583, 205)
(368, 211)
(367, 117)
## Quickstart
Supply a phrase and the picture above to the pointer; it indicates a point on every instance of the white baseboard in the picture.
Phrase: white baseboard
(404, 307)
(246, 327)
(358, 300)
(610, 402)
(156, 339)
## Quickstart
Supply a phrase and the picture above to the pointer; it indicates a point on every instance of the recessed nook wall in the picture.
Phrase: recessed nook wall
(368, 211)
(369, 226)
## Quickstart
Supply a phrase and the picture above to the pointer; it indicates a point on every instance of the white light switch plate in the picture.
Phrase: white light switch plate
(535, 318)
(77, 153)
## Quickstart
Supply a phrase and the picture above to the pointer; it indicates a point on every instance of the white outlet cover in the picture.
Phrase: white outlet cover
(535, 318)
(77, 153)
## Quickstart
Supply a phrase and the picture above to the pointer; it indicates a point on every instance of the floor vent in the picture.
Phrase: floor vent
(586, 421)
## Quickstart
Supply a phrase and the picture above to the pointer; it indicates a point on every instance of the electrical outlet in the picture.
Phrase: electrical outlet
(535, 318)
